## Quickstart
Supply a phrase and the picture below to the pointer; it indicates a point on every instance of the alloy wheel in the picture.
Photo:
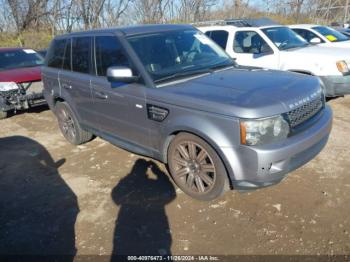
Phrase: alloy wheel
(194, 168)
(67, 124)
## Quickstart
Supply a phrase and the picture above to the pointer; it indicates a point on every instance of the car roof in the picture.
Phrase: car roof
(255, 22)
(217, 27)
(133, 30)
(305, 26)
(238, 23)
(230, 27)
(271, 26)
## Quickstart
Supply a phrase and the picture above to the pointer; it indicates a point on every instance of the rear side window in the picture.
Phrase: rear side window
(220, 37)
(56, 53)
(250, 42)
(108, 53)
(81, 47)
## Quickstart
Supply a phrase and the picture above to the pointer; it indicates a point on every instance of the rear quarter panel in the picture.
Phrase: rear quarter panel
(50, 78)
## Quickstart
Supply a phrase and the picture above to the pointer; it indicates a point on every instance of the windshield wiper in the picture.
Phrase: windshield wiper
(222, 66)
(295, 47)
(183, 74)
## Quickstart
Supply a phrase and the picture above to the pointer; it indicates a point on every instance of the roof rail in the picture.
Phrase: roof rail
(245, 22)
(239, 22)
(210, 22)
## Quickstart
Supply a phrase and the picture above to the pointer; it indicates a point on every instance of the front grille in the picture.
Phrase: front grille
(301, 114)
(8, 93)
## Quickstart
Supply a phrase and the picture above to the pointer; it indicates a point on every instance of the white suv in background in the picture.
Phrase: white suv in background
(322, 35)
(278, 47)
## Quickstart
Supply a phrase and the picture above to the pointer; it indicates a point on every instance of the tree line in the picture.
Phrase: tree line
(59, 16)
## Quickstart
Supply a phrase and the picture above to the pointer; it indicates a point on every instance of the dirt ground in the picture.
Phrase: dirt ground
(56, 198)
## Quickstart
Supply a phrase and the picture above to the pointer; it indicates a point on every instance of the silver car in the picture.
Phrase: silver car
(170, 93)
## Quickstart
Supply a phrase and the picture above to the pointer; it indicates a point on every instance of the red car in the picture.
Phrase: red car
(20, 80)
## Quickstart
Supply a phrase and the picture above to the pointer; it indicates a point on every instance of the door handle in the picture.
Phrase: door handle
(66, 86)
(101, 95)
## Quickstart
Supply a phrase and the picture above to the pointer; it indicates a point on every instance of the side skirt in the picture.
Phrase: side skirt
(122, 143)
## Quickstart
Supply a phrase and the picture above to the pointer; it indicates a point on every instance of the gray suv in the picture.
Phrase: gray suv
(170, 93)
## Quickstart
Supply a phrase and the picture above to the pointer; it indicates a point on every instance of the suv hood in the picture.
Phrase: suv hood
(20, 75)
(320, 52)
(343, 44)
(243, 93)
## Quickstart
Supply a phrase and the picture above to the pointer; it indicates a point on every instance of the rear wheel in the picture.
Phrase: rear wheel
(3, 114)
(69, 125)
(196, 168)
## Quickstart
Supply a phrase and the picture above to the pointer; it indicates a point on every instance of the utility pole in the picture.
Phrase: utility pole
(346, 12)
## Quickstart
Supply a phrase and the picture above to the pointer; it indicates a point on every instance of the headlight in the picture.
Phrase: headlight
(263, 131)
(343, 67)
(8, 86)
(322, 85)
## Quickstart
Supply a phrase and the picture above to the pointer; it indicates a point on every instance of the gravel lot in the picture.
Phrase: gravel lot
(56, 198)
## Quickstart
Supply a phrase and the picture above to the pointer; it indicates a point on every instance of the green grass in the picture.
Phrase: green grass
(34, 40)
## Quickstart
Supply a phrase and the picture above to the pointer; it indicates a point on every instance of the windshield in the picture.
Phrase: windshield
(19, 58)
(285, 38)
(172, 54)
(346, 32)
(331, 34)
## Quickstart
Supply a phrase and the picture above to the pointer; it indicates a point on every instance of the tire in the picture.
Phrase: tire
(3, 114)
(69, 125)
(196, 168)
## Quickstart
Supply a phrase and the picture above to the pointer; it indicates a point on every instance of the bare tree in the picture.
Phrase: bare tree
(113, 11)
(67, 15)
(6, 18)
(331, 10)
(90, 11)
(296, 7)
(151, 11)
(28, 13)
(195, 10)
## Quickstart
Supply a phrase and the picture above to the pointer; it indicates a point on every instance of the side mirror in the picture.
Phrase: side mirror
(315, 41)
(121, 74)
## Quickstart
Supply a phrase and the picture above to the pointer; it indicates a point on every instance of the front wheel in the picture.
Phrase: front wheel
(3, 114)
(196, 168)
(69, 125)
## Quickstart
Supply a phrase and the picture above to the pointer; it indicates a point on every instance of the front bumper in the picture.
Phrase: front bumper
(336, 85)
(29, 95)
(254, 167)
(20, 102)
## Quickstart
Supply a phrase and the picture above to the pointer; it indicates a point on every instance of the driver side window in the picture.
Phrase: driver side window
(250, 42)
(108, 53)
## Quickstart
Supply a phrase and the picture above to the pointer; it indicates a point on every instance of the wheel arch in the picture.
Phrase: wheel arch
(60, 99)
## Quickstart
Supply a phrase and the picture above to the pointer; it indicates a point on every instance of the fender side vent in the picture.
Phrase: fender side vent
(157, 113)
